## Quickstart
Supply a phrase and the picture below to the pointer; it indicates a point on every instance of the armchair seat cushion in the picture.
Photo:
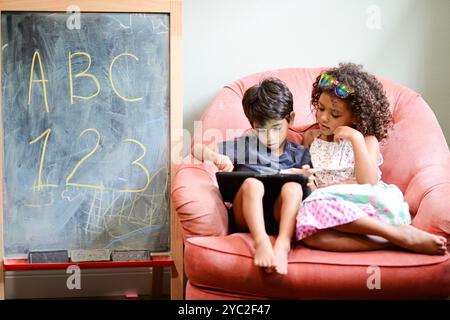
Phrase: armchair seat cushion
(225, 264)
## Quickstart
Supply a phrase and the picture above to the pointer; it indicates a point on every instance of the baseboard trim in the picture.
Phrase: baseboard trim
(43, 284)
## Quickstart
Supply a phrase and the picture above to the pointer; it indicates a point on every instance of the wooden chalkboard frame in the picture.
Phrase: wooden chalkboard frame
(174, 9)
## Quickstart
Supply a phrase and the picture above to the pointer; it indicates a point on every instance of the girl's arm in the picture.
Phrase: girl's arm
(366, 150)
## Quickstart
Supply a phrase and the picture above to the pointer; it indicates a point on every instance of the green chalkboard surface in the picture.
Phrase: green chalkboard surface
(85, 112)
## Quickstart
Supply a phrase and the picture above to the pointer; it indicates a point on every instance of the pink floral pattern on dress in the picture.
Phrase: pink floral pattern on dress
(333, 212)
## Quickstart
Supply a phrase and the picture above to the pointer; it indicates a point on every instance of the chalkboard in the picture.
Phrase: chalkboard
(85, 115)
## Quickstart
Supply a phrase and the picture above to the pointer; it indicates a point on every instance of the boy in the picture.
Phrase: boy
(269, 108)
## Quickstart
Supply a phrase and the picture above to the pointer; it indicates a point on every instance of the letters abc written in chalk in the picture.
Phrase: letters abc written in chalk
(40, 78)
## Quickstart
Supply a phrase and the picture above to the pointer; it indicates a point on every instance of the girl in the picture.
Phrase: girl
(350, 202)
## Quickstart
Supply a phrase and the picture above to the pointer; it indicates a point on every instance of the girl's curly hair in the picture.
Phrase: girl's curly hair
(368, 103)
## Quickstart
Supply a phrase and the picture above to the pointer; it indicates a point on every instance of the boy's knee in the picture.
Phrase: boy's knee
(253, 186)
(291, 189)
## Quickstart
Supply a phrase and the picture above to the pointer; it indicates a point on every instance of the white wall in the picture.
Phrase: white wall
(225, 40)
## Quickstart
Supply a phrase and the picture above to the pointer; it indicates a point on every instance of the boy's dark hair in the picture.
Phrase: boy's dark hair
(368, 103)
(271, 99)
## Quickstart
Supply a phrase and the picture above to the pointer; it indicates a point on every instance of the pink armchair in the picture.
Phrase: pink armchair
(219, 265)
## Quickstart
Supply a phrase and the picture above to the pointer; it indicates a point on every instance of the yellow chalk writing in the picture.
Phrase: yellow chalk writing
(37, 56)
(39, 185)
(81, 74)
(69, 177)
(136, 162)
(111, 77)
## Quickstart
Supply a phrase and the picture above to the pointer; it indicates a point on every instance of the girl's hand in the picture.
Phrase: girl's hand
(223, 163)
(312, 183)
(346, 133)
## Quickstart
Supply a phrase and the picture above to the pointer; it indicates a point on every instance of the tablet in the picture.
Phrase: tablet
(230, 182)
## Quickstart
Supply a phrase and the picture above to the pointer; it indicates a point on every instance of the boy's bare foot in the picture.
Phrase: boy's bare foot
(420, 241)
(281, 250)
(264, 256)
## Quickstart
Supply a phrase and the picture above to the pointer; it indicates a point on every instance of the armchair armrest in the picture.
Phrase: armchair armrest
(428, 195)
(197, 201)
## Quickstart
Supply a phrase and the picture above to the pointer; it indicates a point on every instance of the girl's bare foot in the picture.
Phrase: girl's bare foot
(264, 255)
(281, 250)
(409, 237)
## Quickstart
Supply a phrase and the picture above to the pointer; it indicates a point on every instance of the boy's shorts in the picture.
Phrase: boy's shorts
(269, 220)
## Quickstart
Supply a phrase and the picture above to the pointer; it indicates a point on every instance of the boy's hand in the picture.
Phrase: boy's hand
(305, 170)
(223, 163)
